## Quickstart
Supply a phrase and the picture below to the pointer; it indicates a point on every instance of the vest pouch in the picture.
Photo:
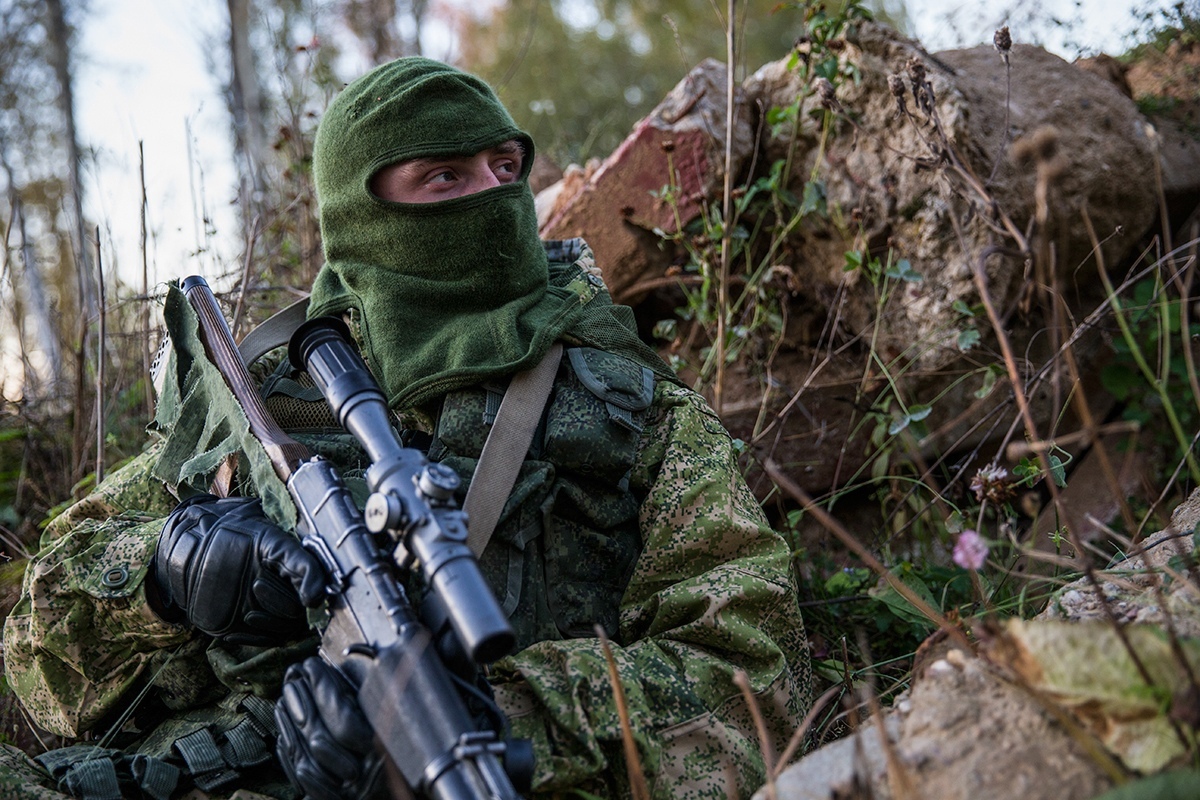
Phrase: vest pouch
(593, 425)
(591, 537)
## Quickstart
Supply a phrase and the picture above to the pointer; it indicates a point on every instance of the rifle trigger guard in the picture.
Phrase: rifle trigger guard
(320, 549)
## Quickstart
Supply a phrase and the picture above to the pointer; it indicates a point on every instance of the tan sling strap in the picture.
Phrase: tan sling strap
(505, 448)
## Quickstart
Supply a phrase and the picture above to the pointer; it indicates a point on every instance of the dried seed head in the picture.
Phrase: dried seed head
(916, 70)
(825, 93)
(992, 483)
(1002, 40)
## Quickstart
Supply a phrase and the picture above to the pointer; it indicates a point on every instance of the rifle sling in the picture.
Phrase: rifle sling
(274, 332)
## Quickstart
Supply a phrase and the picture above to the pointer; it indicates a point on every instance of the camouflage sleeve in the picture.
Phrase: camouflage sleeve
(710, 596)
(82, 631)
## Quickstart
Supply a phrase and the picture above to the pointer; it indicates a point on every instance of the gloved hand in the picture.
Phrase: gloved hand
(234, 574)
(325, 743)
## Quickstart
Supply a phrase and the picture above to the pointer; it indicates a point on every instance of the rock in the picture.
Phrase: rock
(1109, 68)
(1013, 724)
(1164, 84)
(941, 219)
(839, 766)
(1131, 706)
(1102, 139)
(1128, 586)
(967, 734)
(616, 210)
(888, 191)
(882, 174)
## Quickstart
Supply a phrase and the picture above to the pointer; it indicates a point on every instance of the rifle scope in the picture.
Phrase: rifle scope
(411, 498)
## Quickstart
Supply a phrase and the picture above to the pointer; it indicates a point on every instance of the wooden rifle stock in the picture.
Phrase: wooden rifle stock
(284, 452)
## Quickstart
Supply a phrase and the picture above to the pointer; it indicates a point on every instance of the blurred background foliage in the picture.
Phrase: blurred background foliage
(578, 75)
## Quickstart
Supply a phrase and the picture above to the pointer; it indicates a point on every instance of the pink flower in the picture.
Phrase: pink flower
(970, 551)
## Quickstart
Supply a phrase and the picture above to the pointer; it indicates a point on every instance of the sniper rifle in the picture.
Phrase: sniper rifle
(409, 681)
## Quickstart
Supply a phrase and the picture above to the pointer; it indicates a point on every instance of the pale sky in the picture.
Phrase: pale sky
(146, 78)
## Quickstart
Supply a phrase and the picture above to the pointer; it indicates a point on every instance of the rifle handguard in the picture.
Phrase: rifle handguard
(411, 499)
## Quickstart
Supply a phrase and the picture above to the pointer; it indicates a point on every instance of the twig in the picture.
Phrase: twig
(1087, 435)
(100, 347)
(727, 220)
(10, 539)
(147, 356)
(239, 306)
(800, 732)
(633, 764)
(760, 727)
(1184, 285)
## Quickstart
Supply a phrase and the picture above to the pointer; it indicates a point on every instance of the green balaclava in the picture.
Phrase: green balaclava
(448, 293)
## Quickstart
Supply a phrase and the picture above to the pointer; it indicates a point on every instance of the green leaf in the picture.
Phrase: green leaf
(665, 329)
(990, 374)
(899, 606)
(1181, 784)
(830, 669)
(827, 68)
(847, 582)
(879, 467)
(919, 411)
(902, 270)
(916, 413)
(1058, 470)
(968, 339)
(961, 307)
(11, 434)
(814, 198)
(854, 260)
(1026, 471)
(1120, 380)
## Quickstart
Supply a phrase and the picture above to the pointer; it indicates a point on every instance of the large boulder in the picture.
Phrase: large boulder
(938, 187)
(618, 206)
(964, 732)
(931, 191)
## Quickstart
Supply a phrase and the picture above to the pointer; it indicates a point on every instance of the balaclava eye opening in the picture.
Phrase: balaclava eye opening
(445, 293)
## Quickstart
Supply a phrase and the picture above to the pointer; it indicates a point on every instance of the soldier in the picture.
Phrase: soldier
(172, 619)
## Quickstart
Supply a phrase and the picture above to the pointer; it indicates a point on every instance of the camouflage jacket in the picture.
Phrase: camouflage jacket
(678, 564)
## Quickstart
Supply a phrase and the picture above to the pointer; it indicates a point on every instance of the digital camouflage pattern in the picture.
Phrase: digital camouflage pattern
(709, 596)
(662, 512)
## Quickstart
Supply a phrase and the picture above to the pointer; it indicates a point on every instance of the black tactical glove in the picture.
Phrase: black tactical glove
(234, 574)
(325, 743)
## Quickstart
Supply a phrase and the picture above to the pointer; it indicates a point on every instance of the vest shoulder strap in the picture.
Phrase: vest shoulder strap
(505, 447)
